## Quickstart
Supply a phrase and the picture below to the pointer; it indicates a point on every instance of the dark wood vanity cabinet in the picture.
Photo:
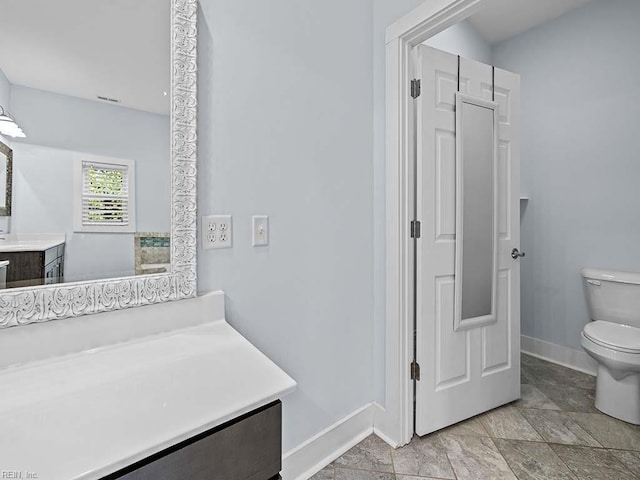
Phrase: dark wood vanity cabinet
(27, 269)
(246, 448)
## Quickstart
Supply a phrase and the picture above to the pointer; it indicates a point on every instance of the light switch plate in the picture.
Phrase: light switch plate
(217, 231)
(260, 231)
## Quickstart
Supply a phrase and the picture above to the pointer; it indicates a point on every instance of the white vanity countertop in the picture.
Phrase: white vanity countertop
(89, 414)
(30, 242)
(4, 263)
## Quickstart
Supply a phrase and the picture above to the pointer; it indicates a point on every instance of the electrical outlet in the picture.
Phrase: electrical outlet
(217, 231)
(260, 230)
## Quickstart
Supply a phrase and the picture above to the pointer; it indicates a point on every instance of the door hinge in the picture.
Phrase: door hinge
(415, 88)
(415, 371)
(415, 229)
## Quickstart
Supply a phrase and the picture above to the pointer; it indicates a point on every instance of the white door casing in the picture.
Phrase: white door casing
(469, 371)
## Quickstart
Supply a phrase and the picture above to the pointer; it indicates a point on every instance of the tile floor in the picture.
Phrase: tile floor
(553, 433)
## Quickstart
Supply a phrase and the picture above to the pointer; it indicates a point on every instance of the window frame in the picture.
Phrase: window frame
(78, 197)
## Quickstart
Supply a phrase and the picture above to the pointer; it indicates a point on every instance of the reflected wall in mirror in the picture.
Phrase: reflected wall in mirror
(88, 81)
(6, 176)
(476, 212)
(165, 168)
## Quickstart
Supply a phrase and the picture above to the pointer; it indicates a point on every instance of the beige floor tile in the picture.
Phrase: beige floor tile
(423, 456)
(593, 463)
(533, 397)
(370, 454)
(412, 477)
(630, 459)
(476, 458)
(533, 461)
(472, 427)
(558, 427)
(571, 399)
(508, 422)
(531, 361)
(349, 474)
(547, 373)
(611, 433)
(324, 474)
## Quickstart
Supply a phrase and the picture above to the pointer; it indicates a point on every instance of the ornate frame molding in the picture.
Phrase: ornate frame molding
(8, 153)
(39, 304)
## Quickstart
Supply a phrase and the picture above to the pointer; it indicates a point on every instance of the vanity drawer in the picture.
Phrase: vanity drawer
(246, 448)
(31, 268)
(25, 268)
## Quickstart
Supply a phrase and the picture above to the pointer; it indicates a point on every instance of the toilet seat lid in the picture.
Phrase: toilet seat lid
(616, 336)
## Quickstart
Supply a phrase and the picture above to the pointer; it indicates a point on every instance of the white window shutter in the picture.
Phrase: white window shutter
(105, 194)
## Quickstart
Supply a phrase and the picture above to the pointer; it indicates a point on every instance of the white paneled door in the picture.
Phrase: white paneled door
(466, 368)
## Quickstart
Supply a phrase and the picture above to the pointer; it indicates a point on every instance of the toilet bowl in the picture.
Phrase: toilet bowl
(612, 338)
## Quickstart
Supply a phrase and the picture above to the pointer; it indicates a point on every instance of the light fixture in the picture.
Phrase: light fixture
(8, 125)
(4, 116)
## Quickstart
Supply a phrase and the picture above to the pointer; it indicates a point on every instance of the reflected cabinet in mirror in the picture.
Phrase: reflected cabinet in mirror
(476, 212)
(100, 102)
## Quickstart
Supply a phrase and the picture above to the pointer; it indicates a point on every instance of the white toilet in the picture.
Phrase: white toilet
(613, 340)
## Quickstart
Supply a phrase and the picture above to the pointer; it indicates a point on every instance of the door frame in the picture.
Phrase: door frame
(394, 421)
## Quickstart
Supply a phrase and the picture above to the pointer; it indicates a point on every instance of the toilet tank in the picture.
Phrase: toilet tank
(613, 296)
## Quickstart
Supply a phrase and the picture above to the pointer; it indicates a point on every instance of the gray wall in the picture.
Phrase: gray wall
(5, 92)
(285, 130)
(580, 166)
(5, 97)
(56, 127)
(464, 40)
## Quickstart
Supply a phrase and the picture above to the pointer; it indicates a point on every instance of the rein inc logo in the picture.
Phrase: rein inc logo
(19, 474)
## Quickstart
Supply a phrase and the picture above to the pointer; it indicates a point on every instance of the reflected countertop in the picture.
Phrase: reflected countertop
(30, 242)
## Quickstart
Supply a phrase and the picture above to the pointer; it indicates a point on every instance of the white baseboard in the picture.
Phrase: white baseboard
(310, 457)
(378, 417)
(567, 357)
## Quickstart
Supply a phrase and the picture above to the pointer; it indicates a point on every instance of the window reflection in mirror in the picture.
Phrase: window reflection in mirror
(86, 93)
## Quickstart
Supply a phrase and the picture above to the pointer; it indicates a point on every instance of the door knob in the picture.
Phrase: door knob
(515, 254)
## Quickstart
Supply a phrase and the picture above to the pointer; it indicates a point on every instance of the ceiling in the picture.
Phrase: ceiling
(119, 49)
(500, 20)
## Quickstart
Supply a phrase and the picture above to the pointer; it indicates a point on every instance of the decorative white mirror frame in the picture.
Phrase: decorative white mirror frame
(22, 306)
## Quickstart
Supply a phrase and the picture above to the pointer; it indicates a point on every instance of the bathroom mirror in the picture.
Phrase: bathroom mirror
(92, 126)
(91, 151)
(476, 212)
(6, 162)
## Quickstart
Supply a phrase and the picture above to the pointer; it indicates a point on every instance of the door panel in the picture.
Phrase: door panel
(445, 175)
(449, 369)
(496, 353)
(504, 174)
(466, 372)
